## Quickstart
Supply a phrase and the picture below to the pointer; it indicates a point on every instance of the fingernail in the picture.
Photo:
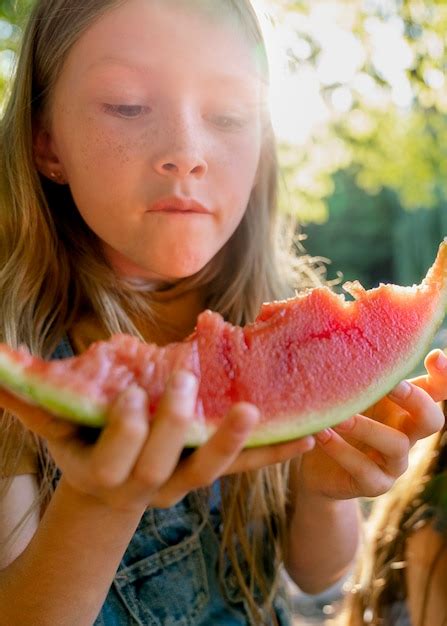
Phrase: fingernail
(308, 443)
(401, 391)
(441, 362)
(253, 413)
(129, 401)
(346, 425)
(245, 417)
(185, 382)
(324, 436)
(132, 396)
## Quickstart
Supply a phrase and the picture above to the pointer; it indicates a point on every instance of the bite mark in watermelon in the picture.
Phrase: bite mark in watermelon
(308, 362)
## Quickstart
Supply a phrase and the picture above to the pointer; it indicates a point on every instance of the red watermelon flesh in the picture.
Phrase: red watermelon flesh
(308, 362)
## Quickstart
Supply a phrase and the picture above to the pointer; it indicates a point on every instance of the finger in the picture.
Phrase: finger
(364, 477)
(121, 441)
(210, 461)
(169, 428)
(255, 458)
(35, 418)
(436, 362)
(435, 381)
(391, 445)
(425, 416)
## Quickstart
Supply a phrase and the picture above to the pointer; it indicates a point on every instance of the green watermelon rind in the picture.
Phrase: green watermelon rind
(60, 402)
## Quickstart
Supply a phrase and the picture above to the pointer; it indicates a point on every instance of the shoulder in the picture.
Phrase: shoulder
(18, 519)
(426, 575)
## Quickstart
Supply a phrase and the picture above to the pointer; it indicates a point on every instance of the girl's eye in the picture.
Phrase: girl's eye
(228, 122)
(127, 111)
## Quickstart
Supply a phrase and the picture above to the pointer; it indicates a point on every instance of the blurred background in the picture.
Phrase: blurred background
(359, 105)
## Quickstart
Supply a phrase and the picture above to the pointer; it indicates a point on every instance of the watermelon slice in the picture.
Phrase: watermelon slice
(308, 362)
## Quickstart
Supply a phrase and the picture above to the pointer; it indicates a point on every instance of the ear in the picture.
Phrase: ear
(45, 154)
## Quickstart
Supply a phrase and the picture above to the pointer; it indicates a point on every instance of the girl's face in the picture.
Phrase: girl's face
(156, 126)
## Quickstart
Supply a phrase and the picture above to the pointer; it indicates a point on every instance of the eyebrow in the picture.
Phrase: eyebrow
(220, 78)
(111, 60)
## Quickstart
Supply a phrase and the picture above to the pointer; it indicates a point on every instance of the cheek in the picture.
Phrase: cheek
(241, 168)
(103, 154)
(248, 155)
(85, 148)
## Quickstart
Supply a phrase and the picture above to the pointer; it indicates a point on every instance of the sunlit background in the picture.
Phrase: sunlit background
(296, 102)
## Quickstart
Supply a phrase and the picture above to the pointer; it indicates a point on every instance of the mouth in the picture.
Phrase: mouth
(176, 204)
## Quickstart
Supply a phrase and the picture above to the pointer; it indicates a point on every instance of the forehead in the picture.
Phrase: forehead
(158, 35)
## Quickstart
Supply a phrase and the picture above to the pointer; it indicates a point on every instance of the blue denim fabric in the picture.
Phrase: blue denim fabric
(396, 614)
(63, 349)
(169, 574)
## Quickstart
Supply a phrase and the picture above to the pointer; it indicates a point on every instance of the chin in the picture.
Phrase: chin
(169, 271)
(187, 267)
(162, 267)
(185, 271)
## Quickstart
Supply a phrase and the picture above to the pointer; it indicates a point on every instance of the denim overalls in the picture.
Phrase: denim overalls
(168, 575)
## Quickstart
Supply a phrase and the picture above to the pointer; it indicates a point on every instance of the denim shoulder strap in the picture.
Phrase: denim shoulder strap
(63, 349)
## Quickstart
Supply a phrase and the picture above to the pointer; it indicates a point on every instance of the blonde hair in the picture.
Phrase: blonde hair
(51, 265)
(379, 583)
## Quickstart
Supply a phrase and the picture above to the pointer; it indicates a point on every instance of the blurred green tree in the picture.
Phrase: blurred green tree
(388, 120)
(12, 15)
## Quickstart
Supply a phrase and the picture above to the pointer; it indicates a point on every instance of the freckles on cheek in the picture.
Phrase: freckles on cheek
(100, 151)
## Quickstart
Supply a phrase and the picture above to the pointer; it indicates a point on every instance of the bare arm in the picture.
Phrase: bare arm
(73, 554)
(323, 539)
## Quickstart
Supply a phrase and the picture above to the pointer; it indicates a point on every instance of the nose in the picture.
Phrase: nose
(181, 154)
(181, 166)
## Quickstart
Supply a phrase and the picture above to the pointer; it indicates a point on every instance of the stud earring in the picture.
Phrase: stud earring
(57, 177)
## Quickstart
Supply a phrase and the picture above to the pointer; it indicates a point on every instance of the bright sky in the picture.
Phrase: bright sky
(296, 103)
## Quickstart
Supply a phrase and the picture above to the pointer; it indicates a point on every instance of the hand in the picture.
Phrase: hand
(364, 455)
(134, 464)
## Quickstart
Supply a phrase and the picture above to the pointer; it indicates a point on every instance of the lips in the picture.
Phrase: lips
(176, 204)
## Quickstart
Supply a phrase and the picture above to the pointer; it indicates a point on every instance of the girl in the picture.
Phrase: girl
(402, 576)
(138, 180)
